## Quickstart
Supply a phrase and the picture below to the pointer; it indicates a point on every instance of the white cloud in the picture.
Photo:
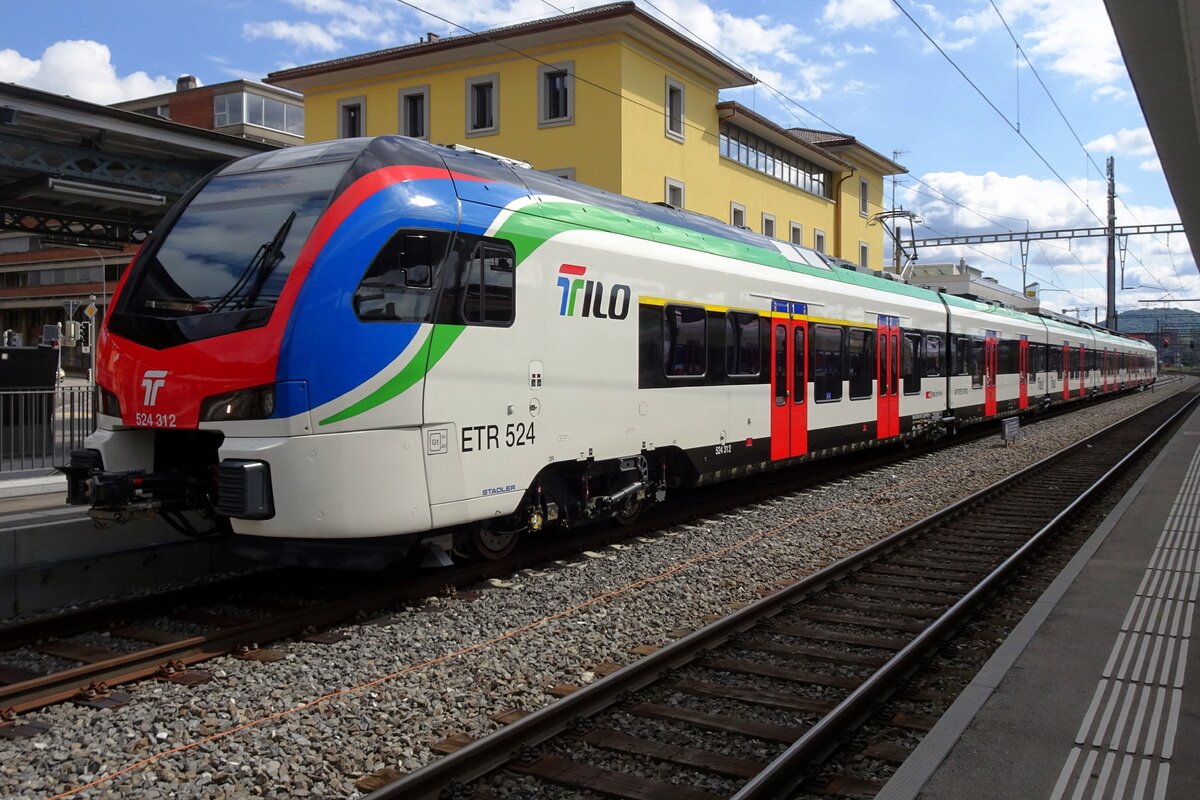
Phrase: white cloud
(1127, 141)
(840, 14)
(82, 69)
(1151, 165)
(306, 35)
(995, 203)
(340, 24)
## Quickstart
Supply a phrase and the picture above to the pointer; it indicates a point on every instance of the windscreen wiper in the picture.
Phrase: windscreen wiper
(265, 259)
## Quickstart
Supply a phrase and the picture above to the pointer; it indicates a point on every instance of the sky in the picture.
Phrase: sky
(1003, 111)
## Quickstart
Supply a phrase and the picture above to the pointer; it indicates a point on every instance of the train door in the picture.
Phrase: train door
(1023, 373)
(990, 358)
(1066, 370)
(887, 372)
(789, 380)
(1083, 370)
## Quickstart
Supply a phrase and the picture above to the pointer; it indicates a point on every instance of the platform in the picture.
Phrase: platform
(1096, 694)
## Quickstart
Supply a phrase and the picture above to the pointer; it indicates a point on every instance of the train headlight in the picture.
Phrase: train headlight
(255, 403)
(107, 402)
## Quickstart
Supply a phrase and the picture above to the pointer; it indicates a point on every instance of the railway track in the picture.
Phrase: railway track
(242, 615)
(747, 706)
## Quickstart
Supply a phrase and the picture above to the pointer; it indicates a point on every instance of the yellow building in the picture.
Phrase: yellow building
(611, 97)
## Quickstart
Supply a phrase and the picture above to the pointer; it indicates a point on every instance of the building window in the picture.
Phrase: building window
(674, 193)
(482, 107)
(737, 215)
(674, 108)
(760, 155)
(237, 108)
(414, 112)
(819, 241)
(796, 233)
(163, 111)
(352, 117)
(864, 254)
(556, 94)
(864, 197)
(768, 225)
(227, 110)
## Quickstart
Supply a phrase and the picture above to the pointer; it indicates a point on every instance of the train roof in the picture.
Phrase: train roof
(637, 218)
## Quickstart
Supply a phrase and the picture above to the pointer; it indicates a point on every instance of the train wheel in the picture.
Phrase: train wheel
(485, 545)
(629, 513)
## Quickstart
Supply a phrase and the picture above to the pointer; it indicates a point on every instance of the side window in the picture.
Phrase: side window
(861, 362)
(825, 360)
(909, 358)
(684, 341)
(741, 343)
(799, 379)
(976, 362)
(935, 357)
(780, 364)
(1055, 361)
(962, 356)
(398, 285)
(489, 291)
(1008, 360)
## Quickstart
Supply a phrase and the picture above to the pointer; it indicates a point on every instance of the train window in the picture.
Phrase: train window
(975, 358)
(935, 357)
(825, 363)
(741, 343)
(222, 264)
(799, 379)
(860, 352)
(1037, 359)
(1056, 361)
(685, 341)
(398, 285)
(489, 288)
(1008, 357)
(780, 365)
(909, 357)
(962, 356)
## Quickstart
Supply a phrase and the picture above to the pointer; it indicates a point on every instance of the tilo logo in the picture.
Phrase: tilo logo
(153, 380)
(570, 280)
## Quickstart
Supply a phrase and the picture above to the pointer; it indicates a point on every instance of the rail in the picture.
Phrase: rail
(40, 427)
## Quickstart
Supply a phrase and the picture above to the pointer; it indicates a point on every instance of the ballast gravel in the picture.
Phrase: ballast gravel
(326, 715)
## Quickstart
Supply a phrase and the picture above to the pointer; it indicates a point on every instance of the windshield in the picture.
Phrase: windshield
(225, 260)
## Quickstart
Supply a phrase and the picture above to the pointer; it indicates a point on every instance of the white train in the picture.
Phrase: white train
(361, 344)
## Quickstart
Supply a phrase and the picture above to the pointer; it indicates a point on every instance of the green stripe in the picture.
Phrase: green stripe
(431, 351)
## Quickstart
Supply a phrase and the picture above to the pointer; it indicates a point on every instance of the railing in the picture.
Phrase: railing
(40, 427)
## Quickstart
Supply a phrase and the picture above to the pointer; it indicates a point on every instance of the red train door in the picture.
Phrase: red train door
(1023, 373)
(989, 374)
(887, 372)
(1066, 375)
(1082, 370)
(789, 380)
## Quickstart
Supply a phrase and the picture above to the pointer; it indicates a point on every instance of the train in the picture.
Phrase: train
(337, 352)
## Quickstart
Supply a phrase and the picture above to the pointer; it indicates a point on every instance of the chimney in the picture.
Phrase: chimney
(431, 37)
(186, 82)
